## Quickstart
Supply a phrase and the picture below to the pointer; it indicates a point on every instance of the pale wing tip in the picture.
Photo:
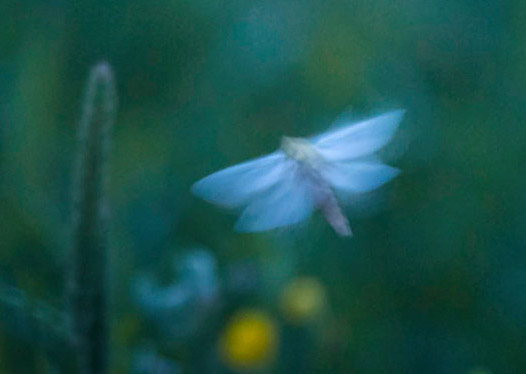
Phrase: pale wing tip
(390, 174)
(197, 189)
(204, 191)
(396, 115)
(243, 229)
(245, 225)
(398, 112)
(242, 226)
(394, 172)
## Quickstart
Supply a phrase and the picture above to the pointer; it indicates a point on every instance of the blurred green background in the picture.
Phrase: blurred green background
(434, 279)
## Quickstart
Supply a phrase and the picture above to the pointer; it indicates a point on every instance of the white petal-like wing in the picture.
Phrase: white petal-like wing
(289, 202)
(238, 184)
(357, 177)
(358, 139)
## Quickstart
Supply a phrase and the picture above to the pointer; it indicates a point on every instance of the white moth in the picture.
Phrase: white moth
(284, 187)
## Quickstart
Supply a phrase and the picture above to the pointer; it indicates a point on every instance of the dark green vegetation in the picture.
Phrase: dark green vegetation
(434, 279)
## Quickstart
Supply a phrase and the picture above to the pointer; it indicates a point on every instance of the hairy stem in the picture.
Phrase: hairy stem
(88, 273)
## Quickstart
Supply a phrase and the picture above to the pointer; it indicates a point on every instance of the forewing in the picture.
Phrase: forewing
(289, 202)
(358, 177)
(237, 185)
(358, 140)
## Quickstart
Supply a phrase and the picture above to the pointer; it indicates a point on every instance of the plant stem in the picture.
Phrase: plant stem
(88, 273)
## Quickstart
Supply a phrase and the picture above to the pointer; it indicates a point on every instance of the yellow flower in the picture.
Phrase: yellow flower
(302, 300)
(249, 340)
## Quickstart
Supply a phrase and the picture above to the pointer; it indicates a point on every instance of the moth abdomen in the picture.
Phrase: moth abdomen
(326, 201)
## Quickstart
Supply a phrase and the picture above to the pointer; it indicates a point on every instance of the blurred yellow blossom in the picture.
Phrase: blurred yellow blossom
(249, 340)
(302, 300)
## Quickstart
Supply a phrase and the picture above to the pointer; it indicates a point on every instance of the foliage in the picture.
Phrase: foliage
(433, 279)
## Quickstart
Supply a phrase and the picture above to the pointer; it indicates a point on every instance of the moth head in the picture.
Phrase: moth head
(299, 149)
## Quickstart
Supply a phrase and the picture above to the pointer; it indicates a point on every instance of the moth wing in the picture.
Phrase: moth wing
(289, 202)
(358, 177)
(358, 140)
(237, 185)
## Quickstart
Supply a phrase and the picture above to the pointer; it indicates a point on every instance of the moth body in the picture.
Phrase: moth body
(323, 198)
(301, 150)
(284, 187)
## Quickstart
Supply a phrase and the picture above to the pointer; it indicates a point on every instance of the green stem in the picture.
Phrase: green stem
(88, 273)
